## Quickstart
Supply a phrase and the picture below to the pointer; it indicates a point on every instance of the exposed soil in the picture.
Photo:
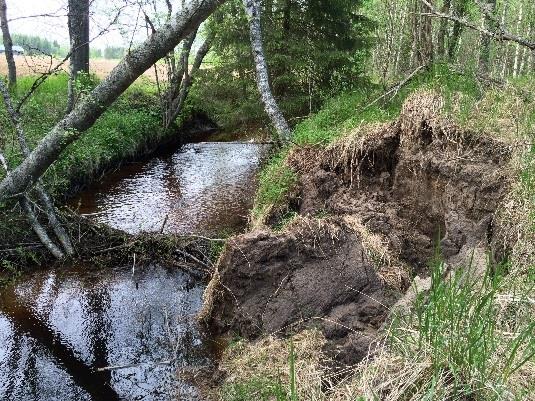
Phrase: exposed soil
(390, 196)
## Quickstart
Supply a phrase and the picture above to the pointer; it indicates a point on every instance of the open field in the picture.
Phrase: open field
(36, 65)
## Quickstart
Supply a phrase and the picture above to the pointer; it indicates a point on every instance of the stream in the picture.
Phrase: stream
(82, 333)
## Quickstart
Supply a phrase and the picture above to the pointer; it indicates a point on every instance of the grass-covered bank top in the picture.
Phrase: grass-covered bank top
(130, 126)
(506, 112)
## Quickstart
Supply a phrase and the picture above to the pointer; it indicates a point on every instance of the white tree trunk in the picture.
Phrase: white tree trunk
(253, 9)
(517, 49)
(175, 108)
(72, 126)
(525, 56)
(8, 45)
(26, 206)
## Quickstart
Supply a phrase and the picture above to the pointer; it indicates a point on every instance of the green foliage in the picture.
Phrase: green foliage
(313, 49)
(459, 326)
(276, 179)
(348, 111)
(256, 388)
(352, 109)
(8, 272)
(126, 128)
(263, 388)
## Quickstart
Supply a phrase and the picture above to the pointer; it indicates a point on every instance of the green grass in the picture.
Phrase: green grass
(129, 125)
(264, 388)
(348, 111)
(275, 180)
(475, 342)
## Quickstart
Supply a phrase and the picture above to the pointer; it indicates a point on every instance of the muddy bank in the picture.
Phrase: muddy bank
(371, 210)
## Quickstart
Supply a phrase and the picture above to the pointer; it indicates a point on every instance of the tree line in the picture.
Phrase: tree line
(476, 35)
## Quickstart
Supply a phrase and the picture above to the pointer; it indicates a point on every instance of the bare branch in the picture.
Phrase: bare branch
(50, 210)
(501, 34)
(73, 126)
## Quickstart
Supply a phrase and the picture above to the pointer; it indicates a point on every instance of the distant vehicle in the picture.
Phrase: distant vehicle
(17, 50)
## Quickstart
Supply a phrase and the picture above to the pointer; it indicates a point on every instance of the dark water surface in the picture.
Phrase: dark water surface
(203, 188)
(60, 327)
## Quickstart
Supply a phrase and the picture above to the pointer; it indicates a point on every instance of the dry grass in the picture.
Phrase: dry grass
(469, 337)
(393, 272)
(267, 361)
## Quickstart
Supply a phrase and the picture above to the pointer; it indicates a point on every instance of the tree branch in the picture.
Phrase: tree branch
(501, 34)
(50, 210)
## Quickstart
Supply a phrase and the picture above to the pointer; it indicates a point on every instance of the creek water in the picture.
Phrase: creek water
(83, 333)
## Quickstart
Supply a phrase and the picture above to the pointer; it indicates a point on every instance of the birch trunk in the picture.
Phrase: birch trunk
(177, 80)
(72, 126)
(253, 9)
(484, 55)
(442, 32)
(517, 48)
(8, 45)
(178, 103)
(525, 56)
(26, 206)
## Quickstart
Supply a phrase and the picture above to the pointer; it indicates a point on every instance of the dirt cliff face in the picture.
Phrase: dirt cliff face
(390, 196)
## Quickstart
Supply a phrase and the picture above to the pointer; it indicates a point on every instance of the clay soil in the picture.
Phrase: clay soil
(372, 210)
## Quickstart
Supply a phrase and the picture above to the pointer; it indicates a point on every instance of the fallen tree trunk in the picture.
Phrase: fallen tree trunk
(26, 205)
(70, 128)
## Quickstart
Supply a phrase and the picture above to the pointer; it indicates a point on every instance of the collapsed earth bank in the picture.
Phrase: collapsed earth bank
(372, 209)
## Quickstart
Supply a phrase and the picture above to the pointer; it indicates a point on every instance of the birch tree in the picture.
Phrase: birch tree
(8, 45)
(253, 9)
(489, 9)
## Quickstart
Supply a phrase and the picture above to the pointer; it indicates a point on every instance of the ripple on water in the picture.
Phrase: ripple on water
(202, 188)
(58, 327)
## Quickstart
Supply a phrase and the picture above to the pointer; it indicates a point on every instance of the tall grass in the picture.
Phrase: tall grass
(128, 126)
(475, 333)
(470, 337)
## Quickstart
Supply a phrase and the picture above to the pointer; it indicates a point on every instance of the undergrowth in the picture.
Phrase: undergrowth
(130, 125)
(349, 111)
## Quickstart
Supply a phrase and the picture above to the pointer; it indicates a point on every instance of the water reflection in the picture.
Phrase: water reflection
(58, 328)
(202, 188)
